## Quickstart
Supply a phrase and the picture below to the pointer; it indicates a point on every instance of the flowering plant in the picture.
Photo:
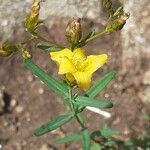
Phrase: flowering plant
(77, 70)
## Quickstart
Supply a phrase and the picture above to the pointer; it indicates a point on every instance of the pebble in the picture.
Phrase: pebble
(145, 95)
(146, 78)
(18, 110)
(1, 101)
(45, 147)
(13, 103)
(41, 91)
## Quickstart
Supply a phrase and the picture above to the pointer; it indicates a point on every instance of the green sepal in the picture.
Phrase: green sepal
(53, 124)
(100, 85)
(86, 101)
(86, 139)
(68, 139)
(49, 48)
(59, 88)
(95, 147)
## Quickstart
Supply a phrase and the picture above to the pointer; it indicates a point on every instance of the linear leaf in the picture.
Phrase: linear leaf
(49, 48)
(53, 124)
(68, 139)
(53, 84)
(86, 139)
(100, 84)
(86, 101)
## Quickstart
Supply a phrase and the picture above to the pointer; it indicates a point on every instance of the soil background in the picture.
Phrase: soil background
(26, 103)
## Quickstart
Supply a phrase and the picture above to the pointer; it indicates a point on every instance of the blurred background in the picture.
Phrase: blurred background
(25, 103)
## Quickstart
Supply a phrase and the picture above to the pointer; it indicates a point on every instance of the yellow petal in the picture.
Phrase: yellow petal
(63, 53)
(79, 54)
(63, 60)
(65, 65)
(94, 62)
(83, 80)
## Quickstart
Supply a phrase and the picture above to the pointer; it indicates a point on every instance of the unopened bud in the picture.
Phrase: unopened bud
(117, 23)
(32, 18)
(107, 4)
(73, 31)
(6, 50)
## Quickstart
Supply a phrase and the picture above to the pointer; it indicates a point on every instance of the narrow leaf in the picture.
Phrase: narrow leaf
(86, 139)
(49, 48)
(108, 132)
(86, 101)
(53, 124)
(95, 147)
(100, 84)
(53, 84)
(68, 139)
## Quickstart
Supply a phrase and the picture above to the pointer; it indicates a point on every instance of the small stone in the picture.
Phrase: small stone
(18, 110)
(2, 104)
(145, 95)
(41, 90)
(45, 147)
(30, 78)
(13, 103)
(146, 78)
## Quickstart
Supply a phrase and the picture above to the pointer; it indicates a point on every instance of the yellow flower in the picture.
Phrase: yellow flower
(78, 67)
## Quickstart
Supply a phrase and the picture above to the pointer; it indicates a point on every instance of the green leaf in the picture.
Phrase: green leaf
(108, 132)
(101, 84)
(95, 147)
(68, 139)
(86, 139)
(49, 48)
(53, 84)
(86, 101)
(53, 124)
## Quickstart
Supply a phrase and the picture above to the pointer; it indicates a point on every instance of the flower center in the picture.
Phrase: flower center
(79, 64)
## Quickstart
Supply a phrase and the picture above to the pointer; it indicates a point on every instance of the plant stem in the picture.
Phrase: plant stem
(99, 35)
(80, 122)
(36, 35)
(73, 109)
(70, 99)
(25, 42)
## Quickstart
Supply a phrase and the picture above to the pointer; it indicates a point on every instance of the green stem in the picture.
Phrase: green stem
(25, 42)
(99, 35)
(73, 109)
(36, 35)
(70, 99)
(80, 122)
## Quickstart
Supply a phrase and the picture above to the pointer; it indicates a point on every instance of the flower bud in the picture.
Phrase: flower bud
(73, 31)
(107, 4)
(117, 23)
(6, 50)
(32, 18)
